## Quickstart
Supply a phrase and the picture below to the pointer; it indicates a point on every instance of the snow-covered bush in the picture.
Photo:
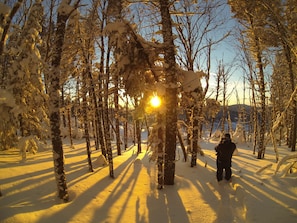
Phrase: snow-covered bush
(28, 144)
(238, 136)
(217, 135)
(77, 133)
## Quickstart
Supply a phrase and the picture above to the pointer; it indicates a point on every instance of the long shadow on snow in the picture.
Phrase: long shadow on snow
(79, 202)
(119, 190)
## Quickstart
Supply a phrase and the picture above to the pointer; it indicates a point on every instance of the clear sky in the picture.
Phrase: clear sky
(227, 53)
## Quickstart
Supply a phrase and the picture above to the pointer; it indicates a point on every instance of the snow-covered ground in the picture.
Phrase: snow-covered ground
(256, 193)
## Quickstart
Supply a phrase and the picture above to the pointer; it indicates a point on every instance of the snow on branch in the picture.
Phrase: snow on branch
(264, 168)
(279, 120)
(281, 116)
(191, 81)
(292, 161)
(65, 8)
(136, 58)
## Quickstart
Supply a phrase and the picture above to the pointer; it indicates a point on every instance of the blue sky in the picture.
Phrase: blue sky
(227, 52)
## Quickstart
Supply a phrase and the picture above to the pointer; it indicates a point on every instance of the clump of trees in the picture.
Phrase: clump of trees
(267, 34)
(85, 69)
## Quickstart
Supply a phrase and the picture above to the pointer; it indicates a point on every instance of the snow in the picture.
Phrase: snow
(65, 8)
(257, 193)
(191, 80)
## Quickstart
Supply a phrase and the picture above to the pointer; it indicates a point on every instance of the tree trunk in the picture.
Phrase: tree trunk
(101, 89)
(101, 116)
(181, 141)
(160, 160)
(195, 136)
(255, 126)
(106, 121)
(216, 97)
(254, 108)
(69, 127)
(126, 125)
(95, 133)
(86, 120)
(54, 109)
(261, 149)
(189, 114)
(97, 123)
(117, 116)
(294, 125)
(223, 75)
(171, 94)
(138, 135)
(63, 107)
(294, 108)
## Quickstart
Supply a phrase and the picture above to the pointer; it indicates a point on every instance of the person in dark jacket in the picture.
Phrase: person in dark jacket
(225, 151)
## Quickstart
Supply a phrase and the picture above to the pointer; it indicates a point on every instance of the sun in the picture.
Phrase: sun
(155, 101)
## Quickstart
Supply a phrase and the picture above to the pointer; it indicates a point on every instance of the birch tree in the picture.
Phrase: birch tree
(224, 80)
(251, 16)
(88, 33)
(103, 54)
(217, 93)
(171, 93)
(279, 17)
(270, 22)
(64, 11)
(249, 74)
(115, 13)
(195, 23)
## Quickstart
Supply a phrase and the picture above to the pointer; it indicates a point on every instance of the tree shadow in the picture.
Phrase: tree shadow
(78, 202)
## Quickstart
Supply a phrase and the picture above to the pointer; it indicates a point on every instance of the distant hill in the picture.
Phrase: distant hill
(234, 110)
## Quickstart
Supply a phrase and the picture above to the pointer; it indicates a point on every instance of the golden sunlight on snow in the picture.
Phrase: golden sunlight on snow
(257, 194)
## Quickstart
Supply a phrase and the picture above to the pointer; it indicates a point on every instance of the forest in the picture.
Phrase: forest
(87, 68)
